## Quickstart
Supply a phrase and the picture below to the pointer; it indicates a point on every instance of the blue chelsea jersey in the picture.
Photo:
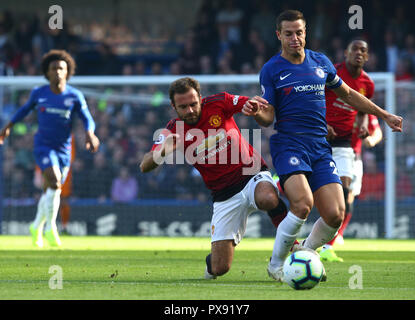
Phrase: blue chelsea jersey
(55, 115)
(297, 92)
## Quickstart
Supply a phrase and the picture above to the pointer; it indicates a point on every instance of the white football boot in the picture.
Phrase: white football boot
(276, 273)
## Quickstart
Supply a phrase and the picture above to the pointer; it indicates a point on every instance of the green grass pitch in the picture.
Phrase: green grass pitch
(139, 268)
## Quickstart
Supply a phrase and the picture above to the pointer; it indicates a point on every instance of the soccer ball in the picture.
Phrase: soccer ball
(302, 270)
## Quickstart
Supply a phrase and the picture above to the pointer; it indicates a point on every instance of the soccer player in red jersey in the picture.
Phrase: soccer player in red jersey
(208, 137)
(346, 127)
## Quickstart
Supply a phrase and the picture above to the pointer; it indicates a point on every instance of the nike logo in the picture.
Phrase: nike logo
(42, 100)
(283, 77)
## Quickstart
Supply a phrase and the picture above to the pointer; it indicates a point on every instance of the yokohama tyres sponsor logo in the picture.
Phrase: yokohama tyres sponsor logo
(309, 87)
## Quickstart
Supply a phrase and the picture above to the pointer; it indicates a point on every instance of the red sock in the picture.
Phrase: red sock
(278, 213)
(277, 220)
(346, 220)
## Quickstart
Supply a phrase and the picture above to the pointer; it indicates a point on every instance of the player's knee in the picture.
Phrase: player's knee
(267, 201)
(336, 218)
(302, 207)
(54, 184)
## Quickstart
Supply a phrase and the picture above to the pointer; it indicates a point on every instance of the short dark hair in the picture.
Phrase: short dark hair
(289, 15)
(183, 85)
(353, 40)
(54, 55)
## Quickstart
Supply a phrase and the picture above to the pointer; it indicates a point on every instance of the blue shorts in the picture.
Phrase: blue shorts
(46, 157)
(304, 154)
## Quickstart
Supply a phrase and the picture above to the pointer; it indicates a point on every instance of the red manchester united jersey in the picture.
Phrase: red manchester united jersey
(340, 115)
(215, 145)
(356, 142)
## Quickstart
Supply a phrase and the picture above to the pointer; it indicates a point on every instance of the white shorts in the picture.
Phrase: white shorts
(344, 158)
(230, 216)
(356, 184)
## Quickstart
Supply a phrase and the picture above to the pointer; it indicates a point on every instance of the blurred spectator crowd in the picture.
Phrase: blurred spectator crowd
(226, 37)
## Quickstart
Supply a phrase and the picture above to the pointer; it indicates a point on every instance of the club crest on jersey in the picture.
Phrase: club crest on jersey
(68, 102)
(160, 139)
(319, 72)
(215, 121)
(262, 90)
(362, 91)
(294, 161)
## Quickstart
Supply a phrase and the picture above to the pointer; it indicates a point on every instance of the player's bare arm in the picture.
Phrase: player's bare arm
(5, 132)
(154, 158)
(374, 138)
(363, 104)
(260, 109)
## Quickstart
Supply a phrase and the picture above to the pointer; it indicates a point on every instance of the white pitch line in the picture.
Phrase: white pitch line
(191, 284)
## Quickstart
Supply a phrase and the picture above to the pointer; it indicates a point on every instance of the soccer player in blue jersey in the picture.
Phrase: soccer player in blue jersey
(55, 105)
(293, 83)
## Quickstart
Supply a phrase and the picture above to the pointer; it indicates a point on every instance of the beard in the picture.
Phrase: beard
(191, 120)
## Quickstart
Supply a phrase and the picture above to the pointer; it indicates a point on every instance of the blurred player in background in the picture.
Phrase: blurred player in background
(346, 127)
(293, 82)
(205, 129)
(55, 105)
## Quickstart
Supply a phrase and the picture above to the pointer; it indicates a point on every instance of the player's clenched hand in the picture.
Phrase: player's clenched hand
(254, 105)
(331, 134)
(394, 122)
(91, 142)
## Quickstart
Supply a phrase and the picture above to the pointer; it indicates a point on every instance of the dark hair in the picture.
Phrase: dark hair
(358, 39)
(54, 55)
(289, 15)
(183, 85)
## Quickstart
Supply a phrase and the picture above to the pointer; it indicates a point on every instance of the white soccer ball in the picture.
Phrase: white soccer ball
(302, 270)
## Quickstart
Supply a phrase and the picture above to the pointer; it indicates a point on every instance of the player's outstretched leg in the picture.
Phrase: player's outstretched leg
(285, 237)
(329, 202)
(36, 228)
(301, 201)
(52, 206)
